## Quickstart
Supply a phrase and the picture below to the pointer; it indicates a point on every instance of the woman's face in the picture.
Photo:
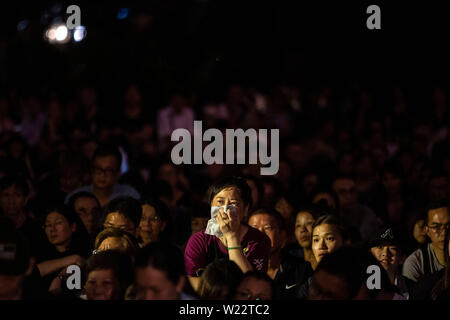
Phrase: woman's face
(102, 285)
(420, 233)
(303, 229)
(151, 224)
(231, 196)
(58, 230)
(326, 239)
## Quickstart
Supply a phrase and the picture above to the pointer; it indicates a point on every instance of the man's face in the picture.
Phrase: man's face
(12, 201)
(153, 284)
(105, 172)
(388, 255)
(102, 285)
(119, 221)
(268, 224)
(58, 230)
(346, 191)
(438, 220)
(89, 212)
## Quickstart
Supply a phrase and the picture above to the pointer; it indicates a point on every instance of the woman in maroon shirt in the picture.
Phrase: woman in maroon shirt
(247, 247)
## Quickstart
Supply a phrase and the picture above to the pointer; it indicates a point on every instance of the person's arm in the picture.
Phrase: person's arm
(411, 267)
(229, 225)
(194, 281)
(50, 266)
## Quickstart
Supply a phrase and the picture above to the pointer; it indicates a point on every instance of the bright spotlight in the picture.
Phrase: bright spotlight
(79, 33)
(61, 33)
(57, 34)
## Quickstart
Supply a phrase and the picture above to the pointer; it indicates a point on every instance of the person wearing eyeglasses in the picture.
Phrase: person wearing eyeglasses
(155, 224)
(430, 257)
(106, 164)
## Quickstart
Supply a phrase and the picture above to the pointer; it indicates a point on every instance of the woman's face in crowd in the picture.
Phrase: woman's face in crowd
(119, 221)
(266, 223)
(253, 289)
(12, 201)
(420, 233)
(231, 196)
(151, 224)
(303, 228)
(153, 284)
(387, 255)
(58, 230)
(88, 211)
(102, 285)
(326, 238)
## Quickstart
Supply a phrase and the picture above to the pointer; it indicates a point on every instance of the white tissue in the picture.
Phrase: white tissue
(212, 227)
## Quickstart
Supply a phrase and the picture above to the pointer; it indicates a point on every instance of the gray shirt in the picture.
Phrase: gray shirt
(414, 266)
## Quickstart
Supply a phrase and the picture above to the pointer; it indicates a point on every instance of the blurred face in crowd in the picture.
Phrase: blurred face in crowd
(105, 172)
(392, 183)
(326, 286)
(153, 284)
(326, 238)
(151, 224)
(198, 223)
(327, 197)
(70, 180)
(231, 196)
(346, 191)
(102, 285)
(303, 228)
(119, 221)
(420, 232)
(12, 201)
(253, 289)
(58, 230)
(285, 208)
(268, 224)
(89, 212)
(388, 255)
(438, 220)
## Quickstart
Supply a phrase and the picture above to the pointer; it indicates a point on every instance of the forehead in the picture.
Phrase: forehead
(148, 209)
(324, 228)
(101, 273)
(228, 193)
(85, 201)
(54, 216)
(106, 161)
(149, 276)
(304, 215)
(439, 215)
(262, 218)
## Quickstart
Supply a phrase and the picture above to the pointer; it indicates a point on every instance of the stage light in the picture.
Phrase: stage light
(79, 33)
(58, 34)
(61, 33)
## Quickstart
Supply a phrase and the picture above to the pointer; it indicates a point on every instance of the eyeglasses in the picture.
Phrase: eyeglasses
(107, 171)
(439, 227)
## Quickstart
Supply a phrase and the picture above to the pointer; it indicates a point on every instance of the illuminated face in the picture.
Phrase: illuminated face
(89, 212)
(151, 224)
(231, 196)
(387, 255)
(153, 284)
(105, 172)
(268, 224)
(253, 289)
(102, 285)
(119, 221)
(12, 201)
(58, 230)
(326, 239)
(303, 228)
(438, 220)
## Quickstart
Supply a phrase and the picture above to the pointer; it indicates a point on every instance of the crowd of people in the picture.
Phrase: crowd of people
(363, 181)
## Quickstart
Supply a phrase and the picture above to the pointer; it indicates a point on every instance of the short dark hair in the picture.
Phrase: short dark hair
(316, 210)
(331, 220)
(237, 182)
(107, 150)
(82, 194)
(258, 276)
(116, 261)
(441, 203)
(273, 213)
(16, 181)
(126, 206)
(63, 210)
(164, 257)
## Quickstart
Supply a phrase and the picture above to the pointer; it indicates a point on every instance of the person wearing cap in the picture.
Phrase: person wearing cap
(385, 247)
(15, 261)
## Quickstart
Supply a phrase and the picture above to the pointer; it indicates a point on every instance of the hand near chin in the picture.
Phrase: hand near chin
(228, 222)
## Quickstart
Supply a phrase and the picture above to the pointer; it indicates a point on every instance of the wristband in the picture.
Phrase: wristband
(237, 247)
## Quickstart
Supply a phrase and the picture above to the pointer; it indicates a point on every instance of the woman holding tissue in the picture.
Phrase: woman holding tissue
(226, 235)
